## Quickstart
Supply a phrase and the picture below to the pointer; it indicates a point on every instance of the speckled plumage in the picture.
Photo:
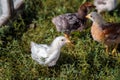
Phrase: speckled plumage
(72, 21)
(68, 22)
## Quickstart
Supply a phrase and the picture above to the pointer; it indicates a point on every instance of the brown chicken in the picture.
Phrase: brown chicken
(107, 33)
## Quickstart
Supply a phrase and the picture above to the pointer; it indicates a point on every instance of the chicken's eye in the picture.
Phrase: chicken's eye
(91, 16)
(62, 39)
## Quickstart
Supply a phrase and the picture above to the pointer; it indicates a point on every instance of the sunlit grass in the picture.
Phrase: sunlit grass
(85, 61)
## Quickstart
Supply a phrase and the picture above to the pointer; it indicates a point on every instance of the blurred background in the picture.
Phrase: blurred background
(85, 61)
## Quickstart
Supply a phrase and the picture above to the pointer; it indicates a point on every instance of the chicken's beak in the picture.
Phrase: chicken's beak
(69, 42)
(66, 35)
(88, 16)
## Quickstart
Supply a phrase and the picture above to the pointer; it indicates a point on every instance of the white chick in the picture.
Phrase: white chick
(105, 5)
(48, 55)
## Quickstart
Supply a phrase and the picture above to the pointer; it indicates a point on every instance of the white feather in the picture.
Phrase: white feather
(108, 6)
(47, 54)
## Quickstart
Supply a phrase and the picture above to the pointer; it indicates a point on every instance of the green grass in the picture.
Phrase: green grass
(85, 61)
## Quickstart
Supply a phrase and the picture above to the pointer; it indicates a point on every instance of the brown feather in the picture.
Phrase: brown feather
(111, 28)
(84, 8)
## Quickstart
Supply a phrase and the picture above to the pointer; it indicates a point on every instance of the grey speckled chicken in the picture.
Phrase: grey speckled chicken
(105, 5)
(72, 21)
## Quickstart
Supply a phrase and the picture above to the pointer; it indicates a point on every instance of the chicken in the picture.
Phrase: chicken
(72, 21)
(48, 55)
(105, 5)
(104, 32)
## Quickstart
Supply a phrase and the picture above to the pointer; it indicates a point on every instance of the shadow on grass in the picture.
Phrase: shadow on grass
(18, 26)
(65, 61)
(94, 66)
